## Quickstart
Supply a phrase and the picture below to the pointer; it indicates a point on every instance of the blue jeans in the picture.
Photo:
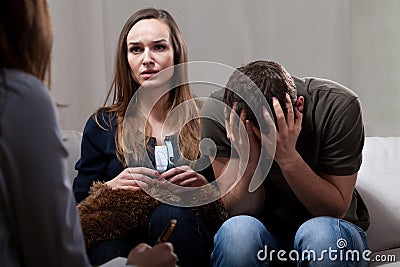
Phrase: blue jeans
(321, 241)
(192, 241)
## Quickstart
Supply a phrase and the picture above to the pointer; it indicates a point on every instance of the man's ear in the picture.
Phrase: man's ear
(300, 103)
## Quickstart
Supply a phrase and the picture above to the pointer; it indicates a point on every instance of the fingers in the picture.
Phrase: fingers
(166, 245)
(130, 188)
(250, 134)
(176, 179)
(269, 121)
(132, 185)
(227, 125)
(280, 116)
(288, 124)
(144, 177)
(143, 170)
(174, 171)
(144, 185)
(232, 124)
(243, 115)
(160, 255)
(189, 182)
(141, 247)
(164, 252)
(188, 179)
(299, 120)
(290, 113)
(267, 141)
(184, 176)
(235, 131)
(299, 110)
(136, 251)
(133, 179)
(256, 131)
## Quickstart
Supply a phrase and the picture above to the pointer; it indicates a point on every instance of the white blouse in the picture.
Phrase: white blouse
(161, 156)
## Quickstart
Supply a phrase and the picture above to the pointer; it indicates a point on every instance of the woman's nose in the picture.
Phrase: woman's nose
(147, 57)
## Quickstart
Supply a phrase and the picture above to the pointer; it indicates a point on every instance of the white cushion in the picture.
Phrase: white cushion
(72, 141)
(379, 185)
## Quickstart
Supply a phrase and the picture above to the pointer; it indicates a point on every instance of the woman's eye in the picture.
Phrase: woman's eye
(159, 47)
(134, 49)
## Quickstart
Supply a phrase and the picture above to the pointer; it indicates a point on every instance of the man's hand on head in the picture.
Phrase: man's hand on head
(288, 131)
(240, 133)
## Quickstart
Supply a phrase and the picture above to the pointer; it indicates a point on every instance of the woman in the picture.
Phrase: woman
(149, 48)
(38, 221)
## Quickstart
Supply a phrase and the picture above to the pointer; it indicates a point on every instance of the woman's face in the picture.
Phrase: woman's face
(150, 51)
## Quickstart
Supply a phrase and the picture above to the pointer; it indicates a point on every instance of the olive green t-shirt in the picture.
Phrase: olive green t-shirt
(331, 141)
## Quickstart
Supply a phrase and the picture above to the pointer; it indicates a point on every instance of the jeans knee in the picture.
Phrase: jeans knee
(238, 241)
(240, 228)
(238, 235)
(318, 232)
(330, 232)
(336, 237)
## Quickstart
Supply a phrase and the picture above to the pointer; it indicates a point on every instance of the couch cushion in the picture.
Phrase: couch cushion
(379, 185)
(72, 141)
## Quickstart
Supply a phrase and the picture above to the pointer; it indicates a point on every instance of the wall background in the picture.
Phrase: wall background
(354, 42)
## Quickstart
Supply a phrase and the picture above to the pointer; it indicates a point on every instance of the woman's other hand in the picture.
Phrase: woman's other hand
(184, 176)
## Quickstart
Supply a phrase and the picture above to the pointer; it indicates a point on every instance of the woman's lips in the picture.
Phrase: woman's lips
(148, 74)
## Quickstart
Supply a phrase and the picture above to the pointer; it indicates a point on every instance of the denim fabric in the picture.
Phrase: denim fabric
(244, 241)
(335, 242)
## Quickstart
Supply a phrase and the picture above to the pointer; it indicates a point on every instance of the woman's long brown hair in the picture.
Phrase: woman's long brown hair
(26, 37)
(124, 87)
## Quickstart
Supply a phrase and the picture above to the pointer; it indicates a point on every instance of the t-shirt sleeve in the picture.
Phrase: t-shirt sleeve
(343, 141)
(213, 128)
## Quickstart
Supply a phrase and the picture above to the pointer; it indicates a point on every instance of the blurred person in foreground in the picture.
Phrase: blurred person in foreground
(39, 225)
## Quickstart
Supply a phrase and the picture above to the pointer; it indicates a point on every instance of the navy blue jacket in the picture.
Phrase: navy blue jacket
(99, 160)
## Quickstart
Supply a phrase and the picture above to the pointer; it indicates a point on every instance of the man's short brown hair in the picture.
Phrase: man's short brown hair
(269, 77)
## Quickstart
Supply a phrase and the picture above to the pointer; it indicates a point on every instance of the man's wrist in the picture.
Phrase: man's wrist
(288, 163)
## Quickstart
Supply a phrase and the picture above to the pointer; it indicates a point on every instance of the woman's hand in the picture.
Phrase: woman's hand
(145, 256)
(133, 179)
(184, 176)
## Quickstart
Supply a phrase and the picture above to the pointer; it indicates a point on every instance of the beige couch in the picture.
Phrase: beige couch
(378, 183)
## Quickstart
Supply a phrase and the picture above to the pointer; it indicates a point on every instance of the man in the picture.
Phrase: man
(307, 210)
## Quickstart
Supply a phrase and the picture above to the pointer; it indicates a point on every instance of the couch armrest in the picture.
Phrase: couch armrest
(72, 142)
(378, 183)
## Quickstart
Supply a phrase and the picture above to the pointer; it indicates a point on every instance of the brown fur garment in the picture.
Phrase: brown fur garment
(113, 214)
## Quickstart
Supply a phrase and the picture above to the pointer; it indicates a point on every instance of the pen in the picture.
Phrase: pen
(167, 231)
